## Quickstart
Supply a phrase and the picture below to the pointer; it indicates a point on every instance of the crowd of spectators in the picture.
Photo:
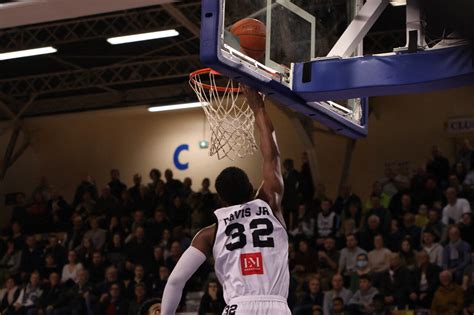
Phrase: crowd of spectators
(406, 246)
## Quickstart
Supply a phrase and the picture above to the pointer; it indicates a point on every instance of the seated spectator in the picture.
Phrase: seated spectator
(362, 269)
(155, 176)
(87, 206)
(8, 296)
(115, 251)
(10, 262)
(60, 211)
(395, 236)
(16, 235)
(338, 307)
(139, 250)
(113, 302)
(111, 277)
(212, 302)
(466, 227)
(31, 256)
(86, 250)
(337, 291)
(421, 218)
(156, 226)
(76, 235)
(396, 283)
(96, 234)
(37, 214)
(55, 248)
(405, 205)
(345, 199)
(115, 227)
(139, 219)
(469, 179)
(138, 278)
(160, 197)
(126, 204)
(467, 273)
(138, 299)
(304, 261)
(379, 258)
(407, 254)
(456, 254)
(96, 268)
(303, 224)
(411, 231)
(166, 242)
(434, 250)
(158, 259)
(115, 185)
(178, 234)
(77, 300)
(366, 236)
(389, 182)
(158, 281)
(383, 200)
(348, 258)
(379, 210)
(448, 298)
(30, 295)
(87, 184)
(50, 294)
(19, 209)
(70, 270)
(426, 282)
(456, 207)
(430, 193)
(175, 255)
(354, 212)
(312, 296)
(49, 266)
(379, 306)
(436, 226)
(173, 186)
(327, 222)
(180, 214)
(361, 301)
(328, 259)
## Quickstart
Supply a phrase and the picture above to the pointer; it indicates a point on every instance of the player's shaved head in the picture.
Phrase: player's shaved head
(233, 186)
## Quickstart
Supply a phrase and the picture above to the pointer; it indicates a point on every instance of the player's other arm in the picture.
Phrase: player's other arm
(187, 265)
(272, 190)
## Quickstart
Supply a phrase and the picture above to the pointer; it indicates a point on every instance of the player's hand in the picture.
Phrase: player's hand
(254, 98)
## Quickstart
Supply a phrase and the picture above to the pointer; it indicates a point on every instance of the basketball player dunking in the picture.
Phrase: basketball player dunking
(249, 241)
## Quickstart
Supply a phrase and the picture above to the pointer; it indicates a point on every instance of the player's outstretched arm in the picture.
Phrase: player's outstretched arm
(187, 265)
(272, 190)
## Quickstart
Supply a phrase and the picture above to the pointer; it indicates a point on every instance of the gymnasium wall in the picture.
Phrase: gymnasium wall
(67, 147)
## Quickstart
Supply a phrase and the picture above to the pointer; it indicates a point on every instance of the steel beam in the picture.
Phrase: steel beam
(358, 29)
(134, 72)
(123, 23)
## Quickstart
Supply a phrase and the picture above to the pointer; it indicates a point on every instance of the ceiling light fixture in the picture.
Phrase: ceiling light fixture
(398, 3)
(164, 108)
(142, 37)
(27, 53)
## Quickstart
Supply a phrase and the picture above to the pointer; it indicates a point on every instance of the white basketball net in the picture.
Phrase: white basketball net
(230, 118)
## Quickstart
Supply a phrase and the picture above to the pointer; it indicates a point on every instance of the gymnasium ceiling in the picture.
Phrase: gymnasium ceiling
(87, 73)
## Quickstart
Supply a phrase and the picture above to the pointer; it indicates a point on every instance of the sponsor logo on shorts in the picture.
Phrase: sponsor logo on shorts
(251, 264)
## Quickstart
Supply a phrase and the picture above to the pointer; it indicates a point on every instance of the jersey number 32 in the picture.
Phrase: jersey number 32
(261, 229)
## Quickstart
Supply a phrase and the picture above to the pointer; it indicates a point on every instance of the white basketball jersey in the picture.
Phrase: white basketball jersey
(251, 251)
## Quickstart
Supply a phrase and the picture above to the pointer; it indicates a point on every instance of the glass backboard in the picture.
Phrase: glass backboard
(296, 31)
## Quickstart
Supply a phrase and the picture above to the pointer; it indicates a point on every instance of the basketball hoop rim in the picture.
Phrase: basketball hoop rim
(193, 75)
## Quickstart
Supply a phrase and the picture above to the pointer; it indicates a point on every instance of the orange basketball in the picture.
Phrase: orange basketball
(252, 34)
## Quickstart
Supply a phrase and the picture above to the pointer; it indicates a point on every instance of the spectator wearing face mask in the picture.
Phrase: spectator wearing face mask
(362, 269)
